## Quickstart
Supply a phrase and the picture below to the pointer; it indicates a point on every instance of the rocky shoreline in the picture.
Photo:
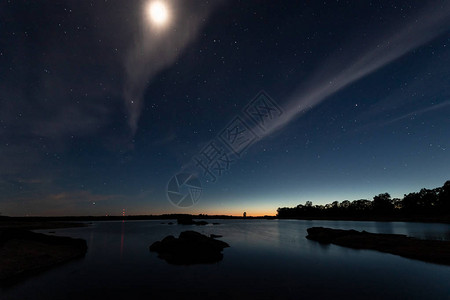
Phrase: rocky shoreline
(23, 252)
(425, 250)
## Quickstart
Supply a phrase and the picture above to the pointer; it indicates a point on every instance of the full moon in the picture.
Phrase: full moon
(157, 13)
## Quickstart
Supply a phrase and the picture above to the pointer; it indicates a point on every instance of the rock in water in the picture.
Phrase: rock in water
(426, 250)
(189, 248)
(187, 220)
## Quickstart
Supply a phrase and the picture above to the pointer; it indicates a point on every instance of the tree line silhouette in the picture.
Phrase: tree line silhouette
(425, 203)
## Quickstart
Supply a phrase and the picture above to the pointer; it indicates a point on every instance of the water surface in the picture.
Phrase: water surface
(268, 259)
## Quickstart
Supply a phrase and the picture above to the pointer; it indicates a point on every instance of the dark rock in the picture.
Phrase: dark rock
(170, 223)
(216, 223)
(397, 244)
(156, 246)
(23, 252)
(327, 235)
(215, 236)
(187, 220)
(168, 239)
(190, 247)
(200, 222)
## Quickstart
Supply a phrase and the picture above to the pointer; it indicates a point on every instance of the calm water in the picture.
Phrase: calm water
(268, 259)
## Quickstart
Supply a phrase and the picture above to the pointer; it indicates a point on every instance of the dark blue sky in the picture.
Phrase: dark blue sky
(100, 107)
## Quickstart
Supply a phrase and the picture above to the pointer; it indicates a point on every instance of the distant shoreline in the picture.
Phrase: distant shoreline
(34, 223)
(413, 219)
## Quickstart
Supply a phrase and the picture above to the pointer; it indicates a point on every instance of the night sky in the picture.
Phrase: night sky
(102, 102)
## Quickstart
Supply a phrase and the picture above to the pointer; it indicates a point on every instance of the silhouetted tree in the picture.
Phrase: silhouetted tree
(411, 202)
(426, 202)
(345, 204)
(444, 197)
(423, 201)
(335, 205)
(361, 205)
(397, 203)
(382, 203)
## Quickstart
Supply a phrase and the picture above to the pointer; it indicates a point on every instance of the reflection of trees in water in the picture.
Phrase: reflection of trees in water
(433, 235)
(447, 235)
(384, 227)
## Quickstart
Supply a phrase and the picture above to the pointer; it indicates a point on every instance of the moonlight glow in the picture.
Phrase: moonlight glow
(157, 13)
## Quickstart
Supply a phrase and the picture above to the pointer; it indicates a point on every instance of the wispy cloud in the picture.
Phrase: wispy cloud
(341, 71)
(154, 50)
(417, 113)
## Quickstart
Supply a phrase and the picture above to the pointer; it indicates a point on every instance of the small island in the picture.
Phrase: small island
(425, 250)
(187, 220)
(189, 248)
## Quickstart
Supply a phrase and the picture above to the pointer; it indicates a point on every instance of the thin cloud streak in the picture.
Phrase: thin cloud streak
(330, 79)
(418, 112)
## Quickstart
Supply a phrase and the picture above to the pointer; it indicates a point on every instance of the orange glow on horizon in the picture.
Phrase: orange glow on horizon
(234, 213)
